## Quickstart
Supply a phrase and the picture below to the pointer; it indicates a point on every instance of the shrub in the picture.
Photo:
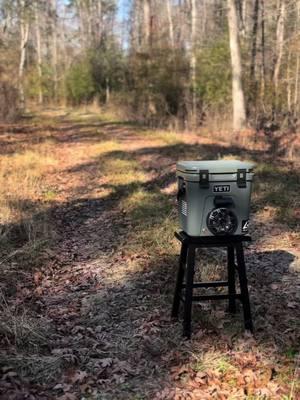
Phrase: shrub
(157, 85)
(214, 76)
(79, 83)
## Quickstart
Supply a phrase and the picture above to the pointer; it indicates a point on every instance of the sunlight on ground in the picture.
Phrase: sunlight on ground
(22, 185)
(121, 172)
(164, 137)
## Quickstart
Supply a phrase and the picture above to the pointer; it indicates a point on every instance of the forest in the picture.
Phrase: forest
(166, 62)
(99, 99)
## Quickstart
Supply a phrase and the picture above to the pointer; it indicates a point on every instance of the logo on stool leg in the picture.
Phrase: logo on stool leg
(245, 225)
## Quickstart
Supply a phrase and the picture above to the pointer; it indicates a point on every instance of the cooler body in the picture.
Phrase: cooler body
(214, 197)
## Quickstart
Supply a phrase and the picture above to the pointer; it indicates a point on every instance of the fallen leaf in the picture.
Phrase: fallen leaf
(79, 376)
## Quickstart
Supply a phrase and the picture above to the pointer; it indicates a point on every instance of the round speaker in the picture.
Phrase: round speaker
(222, 221)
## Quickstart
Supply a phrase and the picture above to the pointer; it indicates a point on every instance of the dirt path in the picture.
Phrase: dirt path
(106, 285)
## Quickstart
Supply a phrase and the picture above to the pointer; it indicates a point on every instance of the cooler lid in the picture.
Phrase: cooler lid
(214, 166)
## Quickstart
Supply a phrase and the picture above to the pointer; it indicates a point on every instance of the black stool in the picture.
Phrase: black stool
(189, 244)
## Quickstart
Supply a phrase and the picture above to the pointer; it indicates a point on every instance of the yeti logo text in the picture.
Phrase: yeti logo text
(222, 188)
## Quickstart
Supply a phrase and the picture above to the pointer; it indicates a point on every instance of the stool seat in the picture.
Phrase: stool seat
(186, 271)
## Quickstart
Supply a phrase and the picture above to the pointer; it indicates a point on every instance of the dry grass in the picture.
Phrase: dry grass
(22, 331)
(122, 172)
(163, 137)
(35, 368)
(23, 193)
(27, 338)
(94, 112)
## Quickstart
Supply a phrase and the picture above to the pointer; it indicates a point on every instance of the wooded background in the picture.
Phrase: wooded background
(167, 62)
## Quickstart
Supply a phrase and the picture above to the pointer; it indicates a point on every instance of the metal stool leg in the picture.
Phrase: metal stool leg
(189, 291)
(179, 280)
(244, 286)
(231, 279)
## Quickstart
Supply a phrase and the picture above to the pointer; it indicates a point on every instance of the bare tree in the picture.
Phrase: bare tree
(147, 28)
(54, 59)
(238, 98)
(38, 51)
(193, 60)
(170, 23)
(280, 30)
(297, 68)
(262, 47)
(254, 41)
(24, 35)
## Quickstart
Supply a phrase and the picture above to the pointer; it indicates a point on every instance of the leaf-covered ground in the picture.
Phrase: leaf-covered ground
(88, 265)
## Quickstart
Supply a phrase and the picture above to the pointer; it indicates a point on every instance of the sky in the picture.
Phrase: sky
(123, 9)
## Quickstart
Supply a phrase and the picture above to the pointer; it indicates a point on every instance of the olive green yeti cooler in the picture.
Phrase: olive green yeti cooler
(214, 197)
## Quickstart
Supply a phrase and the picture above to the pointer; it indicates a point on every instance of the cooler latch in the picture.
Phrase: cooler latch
(242, 178)
(204, 178)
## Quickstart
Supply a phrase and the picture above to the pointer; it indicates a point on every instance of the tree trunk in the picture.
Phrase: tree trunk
(54, 46)
(107, 91)
(289, 83)
(39, 53)
(296, 88)
(193, 61)
(89, 18)
(99, 21)
(135, 24)
(24, 33)
(81, 23)
(146, 24)
(263, 61)
(238, 98)
(170, 23)
(64, 56)
(241, 6)
(296, 92)
(254, 41)
(279, 46)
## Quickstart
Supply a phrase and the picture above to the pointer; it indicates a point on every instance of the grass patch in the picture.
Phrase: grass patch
(292, 353)
(49, 195)
(214, 361)
(27, 338)
(276, 187)
(105, 147)
(24, 221)
(165, 137)
(147, 207)
(154, 218)
(21, 182)
(35, 368)
(24, 332)
(122, 172)
(95, 113)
